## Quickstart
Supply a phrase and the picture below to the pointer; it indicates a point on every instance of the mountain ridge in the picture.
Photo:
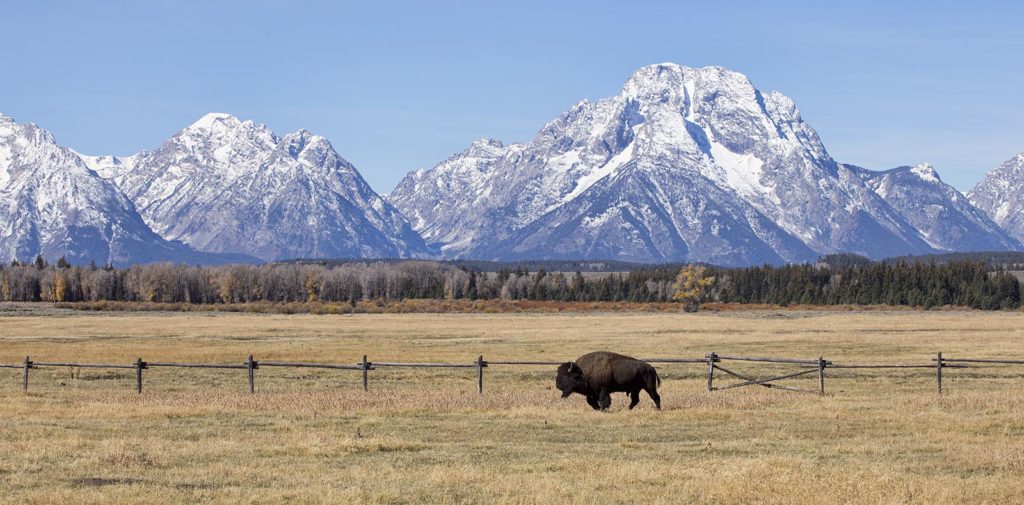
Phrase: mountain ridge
(945, 217)
(1001, 195)
(226, 185)
(673, 136)
(683, 164)
(52, 204)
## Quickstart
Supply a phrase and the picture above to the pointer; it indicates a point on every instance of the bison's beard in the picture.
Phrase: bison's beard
(566, 393)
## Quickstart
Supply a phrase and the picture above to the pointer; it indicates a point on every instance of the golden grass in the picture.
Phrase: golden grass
(445, 306)
(425, 436)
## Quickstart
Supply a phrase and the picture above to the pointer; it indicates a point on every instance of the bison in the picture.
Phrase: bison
(598, 374)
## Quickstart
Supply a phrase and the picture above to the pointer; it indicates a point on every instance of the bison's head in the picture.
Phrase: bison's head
(569, 379)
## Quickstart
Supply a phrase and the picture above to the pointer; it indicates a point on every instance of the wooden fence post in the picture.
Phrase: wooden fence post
(821, 376)
(24, 381)
(366, 374)
(711, 370)
(480, 374)
(251, 366)
(938, 371)
(138, 375)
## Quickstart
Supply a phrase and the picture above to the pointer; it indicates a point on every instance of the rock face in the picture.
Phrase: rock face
(691, 164)
(225, 185)
(52, 204)
(944, 216)
(1001, 196)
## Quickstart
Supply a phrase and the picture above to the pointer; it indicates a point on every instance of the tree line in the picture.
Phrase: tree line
(959, 283)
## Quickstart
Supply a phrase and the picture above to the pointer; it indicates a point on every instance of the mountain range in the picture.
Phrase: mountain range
(943, 216)
(225, 185)
(52, 204)
(684, 164)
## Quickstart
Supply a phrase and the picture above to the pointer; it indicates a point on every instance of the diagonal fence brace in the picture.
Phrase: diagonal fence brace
(750, 381)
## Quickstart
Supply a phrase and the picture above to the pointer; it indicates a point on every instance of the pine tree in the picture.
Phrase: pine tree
(471, 292)
(576, 289)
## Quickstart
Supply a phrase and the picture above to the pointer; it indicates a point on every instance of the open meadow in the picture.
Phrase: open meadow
(425, 436)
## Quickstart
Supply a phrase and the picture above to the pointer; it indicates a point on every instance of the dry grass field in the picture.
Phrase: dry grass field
(425, 436)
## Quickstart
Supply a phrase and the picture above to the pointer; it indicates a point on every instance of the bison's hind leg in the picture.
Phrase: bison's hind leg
(634, 398)
(656, 397)
(652, 389)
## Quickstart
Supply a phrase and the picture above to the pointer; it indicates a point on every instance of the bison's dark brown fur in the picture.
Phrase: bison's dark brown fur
(598, 374)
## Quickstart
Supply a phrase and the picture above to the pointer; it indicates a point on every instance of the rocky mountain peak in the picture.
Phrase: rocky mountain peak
(214, 120)
(1001, 195)
(926, 172)
(484, 146)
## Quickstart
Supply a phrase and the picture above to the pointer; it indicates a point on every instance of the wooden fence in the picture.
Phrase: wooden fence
(712, 361)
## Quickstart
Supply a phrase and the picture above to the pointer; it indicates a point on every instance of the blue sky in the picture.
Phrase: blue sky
(398, 86)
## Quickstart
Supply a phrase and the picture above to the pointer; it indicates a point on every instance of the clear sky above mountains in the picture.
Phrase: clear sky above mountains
(398, 86)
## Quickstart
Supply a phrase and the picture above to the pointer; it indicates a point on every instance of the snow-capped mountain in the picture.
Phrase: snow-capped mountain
(225, 185)
(944, 216)
(52, 204)
(1001, 195)
(684, 164)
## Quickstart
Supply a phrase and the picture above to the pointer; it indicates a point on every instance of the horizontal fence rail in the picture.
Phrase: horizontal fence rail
(80, 365)
(529, 363)
(981, 361)
(196, 365)
(880, 366)
(674, 360)
(765, 360)
(426, 365)
(712, 361)
(311, 365)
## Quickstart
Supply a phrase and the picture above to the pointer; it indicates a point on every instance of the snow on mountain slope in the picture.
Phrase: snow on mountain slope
(108, 167)
(226, 185)
(1001, 195)
(719, 171)
(52, 204)
(945, 217)
(462, 187)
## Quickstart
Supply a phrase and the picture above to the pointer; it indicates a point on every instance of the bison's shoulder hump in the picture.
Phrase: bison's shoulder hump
(599, 356)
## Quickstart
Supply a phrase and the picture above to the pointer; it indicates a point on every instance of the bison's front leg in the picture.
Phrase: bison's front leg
(634, 398)
(605, 399)
(592, 401)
